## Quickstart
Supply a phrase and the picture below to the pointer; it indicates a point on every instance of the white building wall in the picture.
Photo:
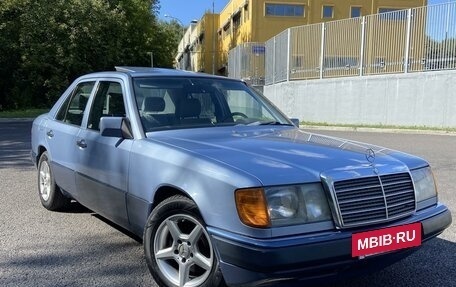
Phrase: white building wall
(415, 99)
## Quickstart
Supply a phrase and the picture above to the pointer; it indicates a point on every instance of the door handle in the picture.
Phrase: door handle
(50, 133)
(81, 143)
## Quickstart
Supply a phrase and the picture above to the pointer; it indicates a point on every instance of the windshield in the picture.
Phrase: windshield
(173, 103)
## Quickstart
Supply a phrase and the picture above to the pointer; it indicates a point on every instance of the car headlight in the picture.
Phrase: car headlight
(423, 180)
(283, 205)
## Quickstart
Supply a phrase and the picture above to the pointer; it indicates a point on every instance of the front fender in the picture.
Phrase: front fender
(210, 184)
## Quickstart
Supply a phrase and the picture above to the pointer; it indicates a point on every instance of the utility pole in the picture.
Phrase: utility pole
(214, 35)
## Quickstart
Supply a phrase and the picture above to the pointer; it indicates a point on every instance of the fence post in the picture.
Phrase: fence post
(322, 49)
(273, 62)
(241, 51)
(232, 57)
(236, 62)
(407, 43)
(361, 52)
(288, 53)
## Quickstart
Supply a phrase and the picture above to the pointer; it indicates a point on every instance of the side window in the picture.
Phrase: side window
(108, 102)
(72, 110)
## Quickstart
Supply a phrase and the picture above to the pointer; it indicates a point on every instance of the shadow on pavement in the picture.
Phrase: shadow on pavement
(432, 265)
(75, 207)
(95, 261)
(88, 261)
(15, 145)
(119, 228)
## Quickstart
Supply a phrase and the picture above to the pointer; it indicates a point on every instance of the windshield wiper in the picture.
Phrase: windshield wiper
(268, 123)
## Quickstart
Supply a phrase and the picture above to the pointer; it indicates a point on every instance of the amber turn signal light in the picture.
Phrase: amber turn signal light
(252, 208)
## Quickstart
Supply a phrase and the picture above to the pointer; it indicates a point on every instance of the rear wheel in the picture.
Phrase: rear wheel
(50, 195)
(178, 248)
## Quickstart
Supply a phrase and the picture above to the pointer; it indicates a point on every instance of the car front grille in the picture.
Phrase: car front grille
(374, 199)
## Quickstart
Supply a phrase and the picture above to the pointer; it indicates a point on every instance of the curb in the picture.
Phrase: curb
(379, 130)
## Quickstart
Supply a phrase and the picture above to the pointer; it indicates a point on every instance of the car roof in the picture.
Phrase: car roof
(137, 72)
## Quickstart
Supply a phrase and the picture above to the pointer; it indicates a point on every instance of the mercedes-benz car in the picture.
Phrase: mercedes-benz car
(222, 187)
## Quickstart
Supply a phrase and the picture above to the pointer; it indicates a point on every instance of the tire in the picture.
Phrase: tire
(178, 248)
(50, 195)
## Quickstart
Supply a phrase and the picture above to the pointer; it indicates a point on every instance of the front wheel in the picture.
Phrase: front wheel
(177, 246)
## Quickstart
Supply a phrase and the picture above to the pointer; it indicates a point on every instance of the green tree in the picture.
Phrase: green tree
(168, 35)
(10, 56)
(46, 44)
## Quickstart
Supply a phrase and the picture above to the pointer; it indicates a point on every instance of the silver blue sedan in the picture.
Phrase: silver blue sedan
(223, 188)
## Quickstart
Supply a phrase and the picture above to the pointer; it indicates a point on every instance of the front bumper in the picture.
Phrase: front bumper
(321, 256)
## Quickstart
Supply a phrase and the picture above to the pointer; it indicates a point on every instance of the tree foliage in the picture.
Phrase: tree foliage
(46, 44)
(168, 35)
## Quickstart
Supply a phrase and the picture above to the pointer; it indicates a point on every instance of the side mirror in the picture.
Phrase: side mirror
(295, 122)
(116, 127)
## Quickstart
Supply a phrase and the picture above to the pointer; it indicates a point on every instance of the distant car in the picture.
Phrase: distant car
(223, 187)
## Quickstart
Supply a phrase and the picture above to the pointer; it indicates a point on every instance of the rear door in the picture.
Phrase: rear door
(61, 135)
(102, 169)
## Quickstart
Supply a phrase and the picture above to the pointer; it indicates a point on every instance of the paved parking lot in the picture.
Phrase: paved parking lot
(77, 248)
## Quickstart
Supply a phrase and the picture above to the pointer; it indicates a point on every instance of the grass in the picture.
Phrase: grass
(29, 113)
(379, 126)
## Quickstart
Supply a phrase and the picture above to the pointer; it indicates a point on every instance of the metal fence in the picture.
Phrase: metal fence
(405, 41)
(247, 62)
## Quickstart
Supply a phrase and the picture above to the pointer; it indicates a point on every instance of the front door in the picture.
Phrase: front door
(102, 169)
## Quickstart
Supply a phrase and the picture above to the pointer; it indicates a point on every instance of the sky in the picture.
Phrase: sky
(433, 2)
(188, 10)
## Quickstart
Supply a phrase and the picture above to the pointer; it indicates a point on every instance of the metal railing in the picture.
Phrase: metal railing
(279, 63)
(414, 40)
(246, 62)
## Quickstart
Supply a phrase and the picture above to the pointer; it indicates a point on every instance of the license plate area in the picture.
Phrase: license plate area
(365, 244)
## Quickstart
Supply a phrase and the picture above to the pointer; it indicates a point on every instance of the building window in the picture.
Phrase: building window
(355, 12)
(297, 62)
(236, 22)
(284, 10)
(246, 12)
(379, 62)
(386, 10)
(201, 39)
(328, 11)
(227, 29)
(338, 62)
(392, 14)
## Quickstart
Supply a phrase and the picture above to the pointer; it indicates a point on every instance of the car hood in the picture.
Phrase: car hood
(286, 155)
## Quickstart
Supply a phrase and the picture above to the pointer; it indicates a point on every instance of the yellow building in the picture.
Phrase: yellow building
(244, 21)
(198, 48)
(206, 50)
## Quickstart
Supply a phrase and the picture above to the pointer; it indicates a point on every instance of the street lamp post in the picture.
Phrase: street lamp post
(151, 58)
(182, 66)
(178, 21)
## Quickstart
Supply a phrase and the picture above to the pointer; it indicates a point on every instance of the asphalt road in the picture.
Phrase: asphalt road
(78, 248)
